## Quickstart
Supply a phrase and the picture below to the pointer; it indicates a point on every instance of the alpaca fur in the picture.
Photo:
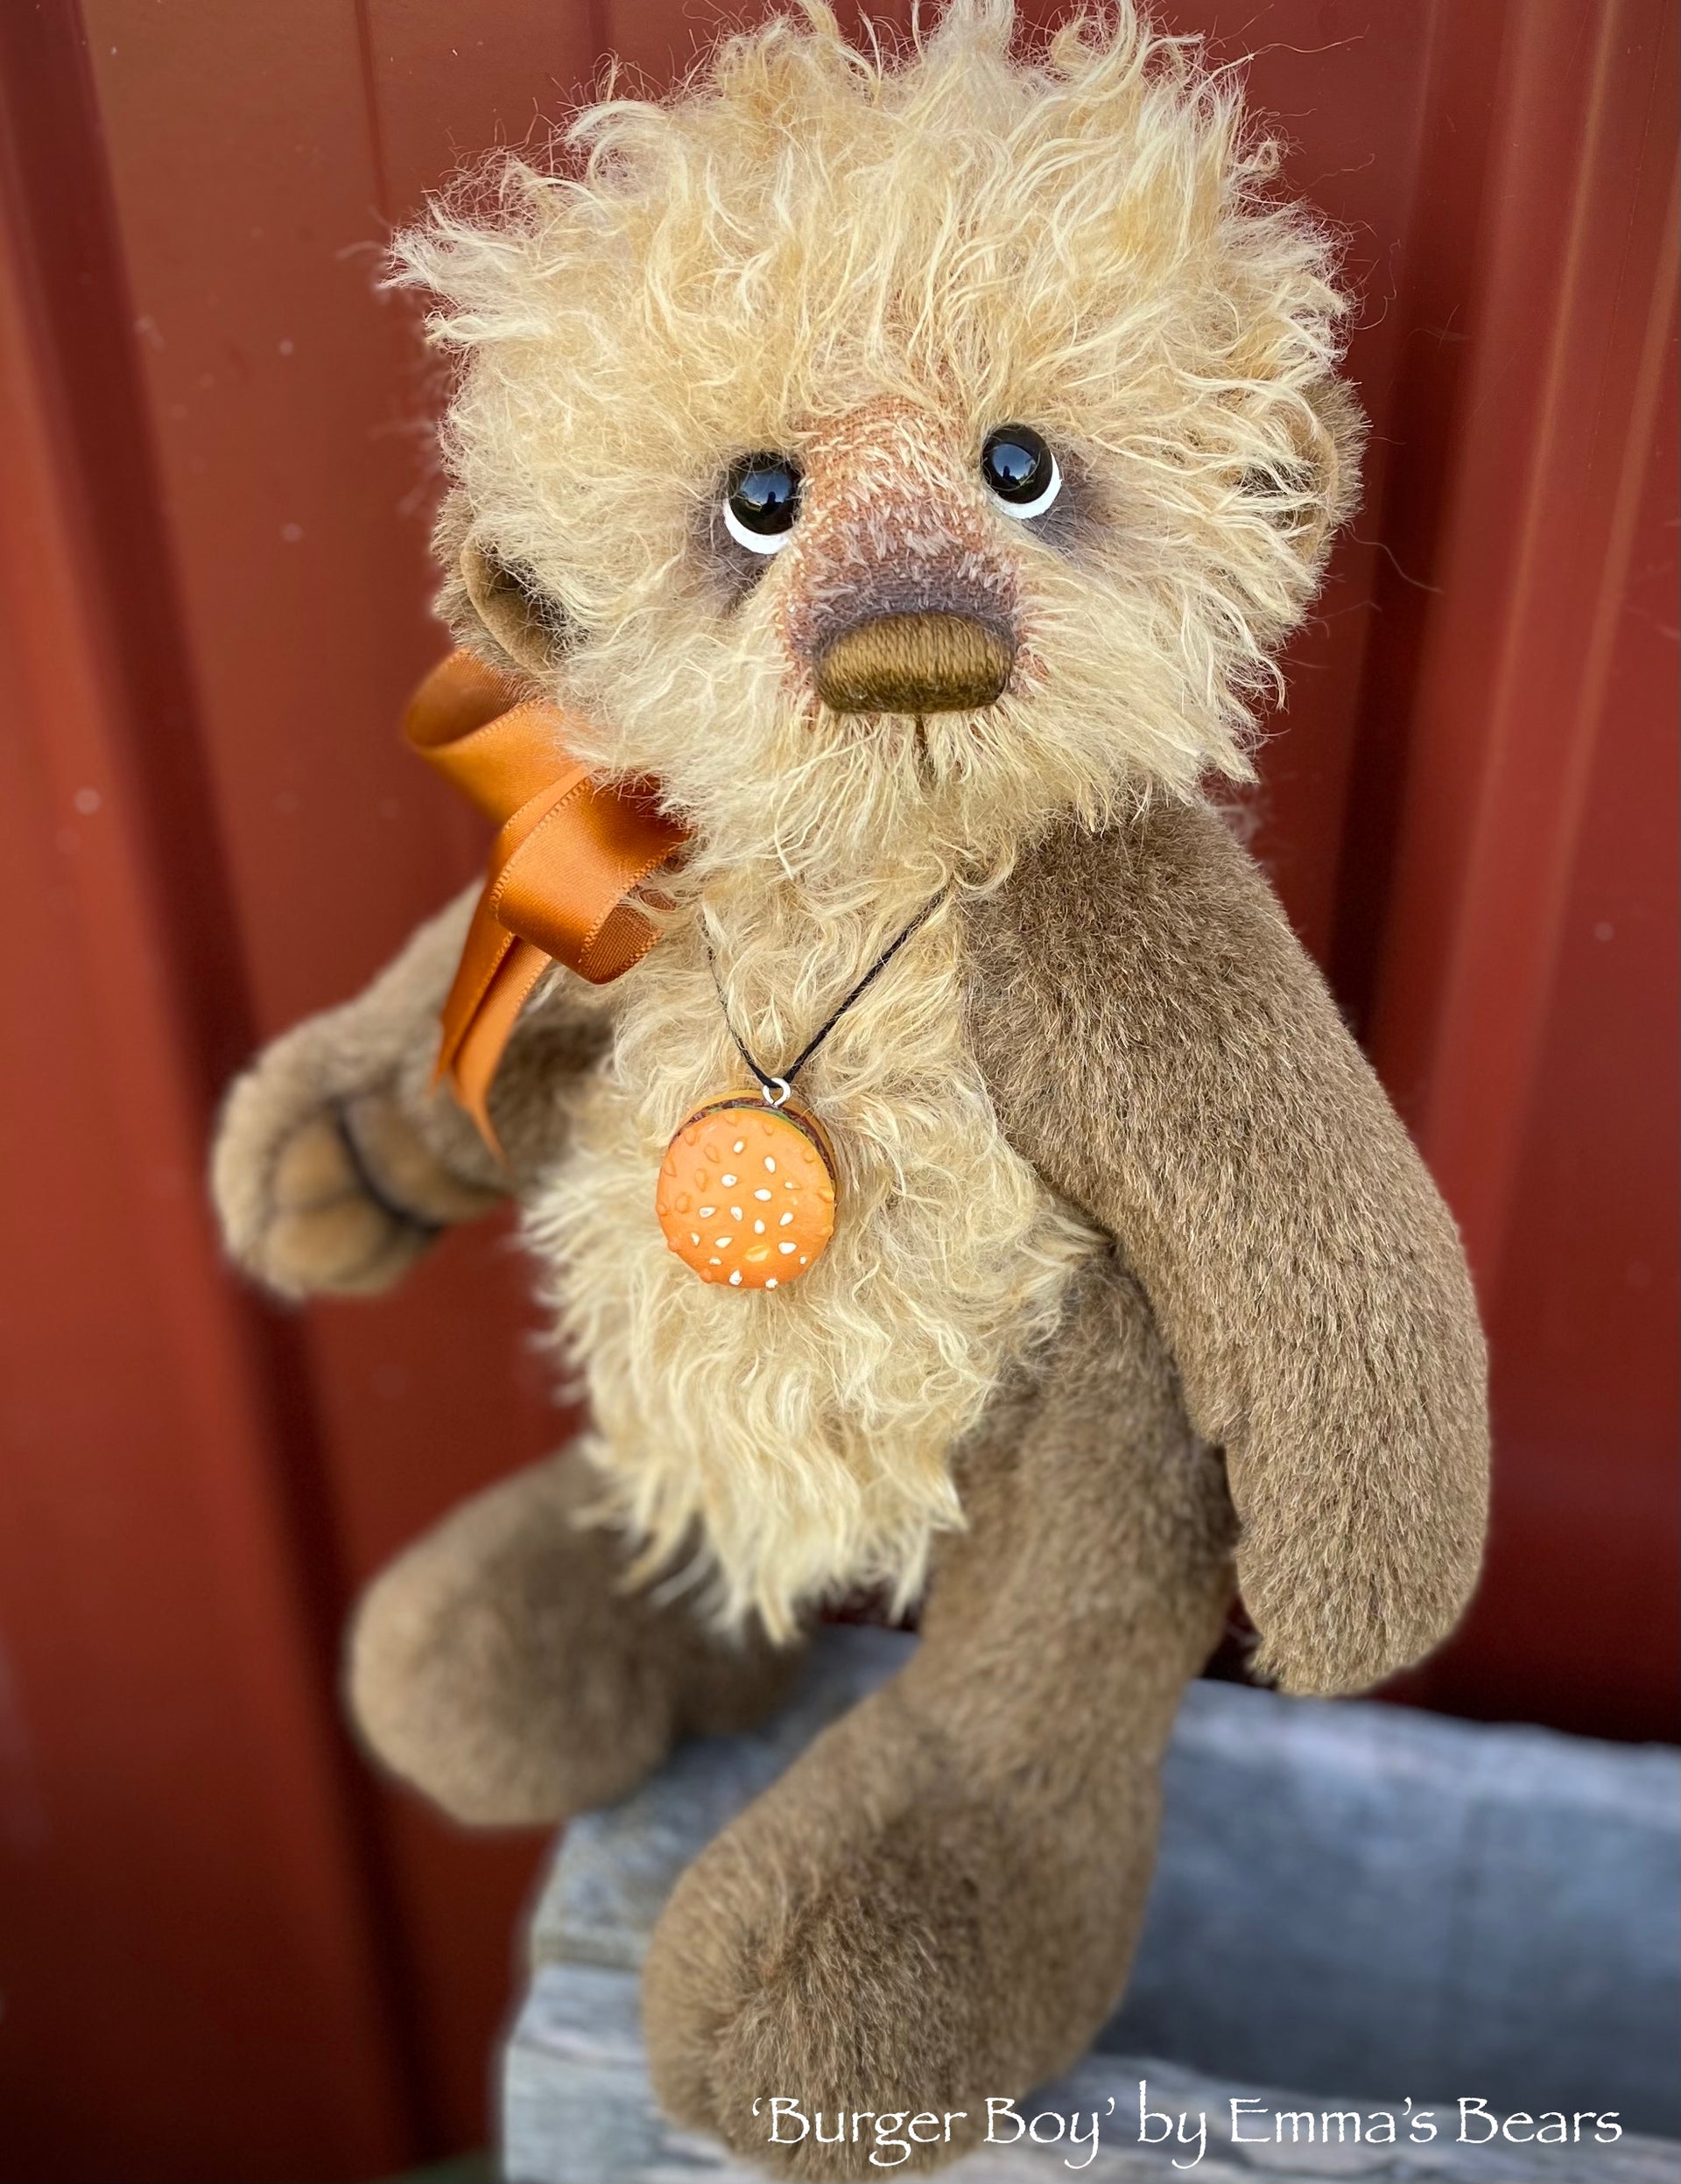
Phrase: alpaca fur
(1134, 1269)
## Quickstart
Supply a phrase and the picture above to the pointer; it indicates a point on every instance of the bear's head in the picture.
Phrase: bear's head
(890, 453)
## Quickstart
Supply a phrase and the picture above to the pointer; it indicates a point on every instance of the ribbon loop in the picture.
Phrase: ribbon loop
(569, 853)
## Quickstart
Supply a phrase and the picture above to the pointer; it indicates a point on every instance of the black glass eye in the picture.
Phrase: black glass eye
(1020, 472)
(761, 502)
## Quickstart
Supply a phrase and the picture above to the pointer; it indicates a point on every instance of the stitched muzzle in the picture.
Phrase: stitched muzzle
(925, 662)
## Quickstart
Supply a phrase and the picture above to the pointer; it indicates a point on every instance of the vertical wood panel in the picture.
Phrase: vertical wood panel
(259, 157)
(1578, 1606)
(1568, 327)
(291, 438)
(187, 1899)
(1540, 741)
(1410, 470)
(1345, 86)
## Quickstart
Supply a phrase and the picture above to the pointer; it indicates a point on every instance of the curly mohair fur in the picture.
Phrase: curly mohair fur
(870, 265)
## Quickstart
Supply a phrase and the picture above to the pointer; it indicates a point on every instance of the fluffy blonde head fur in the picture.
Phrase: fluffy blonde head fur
(868, 266)
(1078, 239)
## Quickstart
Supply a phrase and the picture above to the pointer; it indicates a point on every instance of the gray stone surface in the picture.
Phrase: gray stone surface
(1365, 1904)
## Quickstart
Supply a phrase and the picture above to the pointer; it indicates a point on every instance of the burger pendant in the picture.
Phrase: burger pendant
(747, 1192)
(746, 1189)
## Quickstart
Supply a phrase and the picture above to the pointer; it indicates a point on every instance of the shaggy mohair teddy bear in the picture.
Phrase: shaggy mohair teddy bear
(910, 463)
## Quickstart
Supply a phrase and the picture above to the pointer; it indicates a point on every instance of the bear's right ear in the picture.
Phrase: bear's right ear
(531, 626)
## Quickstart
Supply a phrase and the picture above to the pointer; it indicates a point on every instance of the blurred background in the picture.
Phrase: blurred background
(225, 1951)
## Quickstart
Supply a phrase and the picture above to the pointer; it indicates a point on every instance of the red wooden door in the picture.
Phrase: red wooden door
(225, 1951)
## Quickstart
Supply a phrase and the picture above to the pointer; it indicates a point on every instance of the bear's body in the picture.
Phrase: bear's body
(1135, 1278)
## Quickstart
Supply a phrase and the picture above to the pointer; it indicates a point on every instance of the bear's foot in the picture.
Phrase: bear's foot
(883, 1964)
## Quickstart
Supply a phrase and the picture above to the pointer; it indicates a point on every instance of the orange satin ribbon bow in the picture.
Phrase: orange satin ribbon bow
(569, 852)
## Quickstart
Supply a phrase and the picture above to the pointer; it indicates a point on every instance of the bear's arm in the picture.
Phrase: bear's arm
(336, 1162)
(1162, 1049)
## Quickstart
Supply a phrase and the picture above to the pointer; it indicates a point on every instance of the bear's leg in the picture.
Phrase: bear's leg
(500, 1665)
(939, 1902)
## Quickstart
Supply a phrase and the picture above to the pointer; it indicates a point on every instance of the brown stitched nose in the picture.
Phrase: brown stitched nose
(917, 662)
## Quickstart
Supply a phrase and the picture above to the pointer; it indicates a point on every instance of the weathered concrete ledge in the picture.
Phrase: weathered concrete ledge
(1362, 1904)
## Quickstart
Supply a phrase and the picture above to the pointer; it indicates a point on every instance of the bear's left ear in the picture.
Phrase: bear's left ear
(1327, 433)
(1337, 444)
(1308, 481)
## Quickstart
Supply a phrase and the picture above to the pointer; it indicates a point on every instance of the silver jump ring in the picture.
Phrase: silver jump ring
(776, 1090)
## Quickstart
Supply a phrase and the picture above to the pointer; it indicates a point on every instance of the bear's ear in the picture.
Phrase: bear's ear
(1311, 485)
(1328, 441)
(531, 626)
(1337, 444)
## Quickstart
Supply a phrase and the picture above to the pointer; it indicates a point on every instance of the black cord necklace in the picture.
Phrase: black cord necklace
(746, 1189)
(777, 1089)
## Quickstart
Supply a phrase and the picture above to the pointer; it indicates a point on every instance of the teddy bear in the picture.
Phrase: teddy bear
(881, 479)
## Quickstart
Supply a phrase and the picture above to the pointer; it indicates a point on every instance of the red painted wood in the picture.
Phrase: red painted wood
(187, 1897)
(210, 609)
(1571, 320)
(260, 159)
(1356, 152)
(1579, 1605)
(1539, 745)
